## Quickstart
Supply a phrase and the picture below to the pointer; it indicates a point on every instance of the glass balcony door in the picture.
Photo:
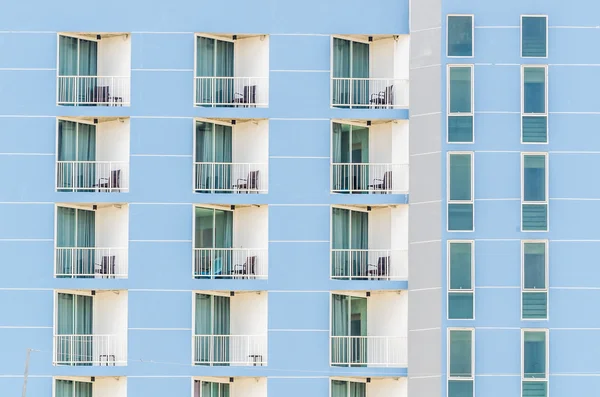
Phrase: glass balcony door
(76, 58)
(341, 388)
(210, 389)
(75, 236)
(213, 157)
(213, 240)
(70, 388)
(350, 323)
(350, 242)
(351, 68)
(74, 321)
(212, 327)
(350, 156)
(76, 156)
(215, 58)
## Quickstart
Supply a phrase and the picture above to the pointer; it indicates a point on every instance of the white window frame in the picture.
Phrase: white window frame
(472, 201)
(546, 278)
(451, 378)
(460, 291)
(521, 34)
(448, 113)
(545, 154)
(472, 34)
(546, 378)
(71, 379)
(545, 114)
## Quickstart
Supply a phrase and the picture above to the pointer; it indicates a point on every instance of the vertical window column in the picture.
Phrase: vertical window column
(460, 280)
(534, 286)
(534, 104)
(460, 191)
(460, 104)
(460, 362)
(534, 377)
(534, 192)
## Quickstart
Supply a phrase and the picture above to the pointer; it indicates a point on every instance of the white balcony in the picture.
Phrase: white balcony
(369, 243)
(231, 156)
(92, 154)
(100, 386)
(230, 243)
(370, 72)
(94, 69)
(240, 386)
(369, 157)
(231, 71)
(230, 329)
(240, 263)
(99, 336)
(369, 330)
(91, 241)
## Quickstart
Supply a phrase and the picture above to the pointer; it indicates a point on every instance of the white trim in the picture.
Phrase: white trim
(448, 278)
(471, 113)
(448, 377)
(546, 201)
(546, 278)
(521, 34)
(471, 201)
(472, 34)
(545, 114)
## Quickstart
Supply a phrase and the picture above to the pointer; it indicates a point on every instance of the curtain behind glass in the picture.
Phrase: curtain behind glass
(340, 240)
(86, 151)
(223, 154)
(86, 238)
(67, 151)
(221, 326)
(534, 354)
(224, 68)
(341, 69)
(205, 67)
(205, 154)
(83, 347)
(67, 66)
(460, 353)
(339, 388)
(204, 233)
(358, 389)
(203, 326)
(360, 70)
(534, 175)
(460, 177)
(360, 155)
(223, 239)
(534, 265)
(65, 325)
(341, 155)
(63, 388)
(340, 327)
(460, 266)
(83, 389)
(65, 238)
(359, 224)
(88, 58)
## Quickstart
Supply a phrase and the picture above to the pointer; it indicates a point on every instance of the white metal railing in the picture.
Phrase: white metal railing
(248, 263)
(369, 264)
(231, 177)
(369, 178)
(371, 351)
(98, 176)
(237, 350)
(94, 90)
(232, 91)
(89, 350)
(92, 262)
(369, 93)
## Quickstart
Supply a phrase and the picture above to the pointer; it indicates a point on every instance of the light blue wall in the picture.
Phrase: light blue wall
(574, 154)
(160, 200)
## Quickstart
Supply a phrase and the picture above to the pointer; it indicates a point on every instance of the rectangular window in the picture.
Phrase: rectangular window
(460, 35)
(460, 280)
(460, 362)
(534, 36)
(534, 287)
(534, 375)
(534, 192)
(460, 191)
(342, 388)
(534, 112)
(460, 104)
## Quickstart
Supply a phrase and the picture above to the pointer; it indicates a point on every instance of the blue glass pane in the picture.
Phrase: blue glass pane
(533, 33)
(460, 129)
(461, 353)
(460, 266)
(460, 90)
(535, 217)
(460, 217)
(534, 265)
(460, 36)
(535, 389)
(535, 305)
(534, 354)
(460, 306)
(535, 129)
(534, 178)
(460, 177)
(534, 90)
(460, 388)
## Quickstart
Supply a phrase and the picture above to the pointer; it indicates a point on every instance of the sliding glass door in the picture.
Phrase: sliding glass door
(349, 324)
(350, 242)
(342, 388)
(75, 242)
(76, 58)
(214, 64)
(70, 388)
(74, 328)
(210, 389)
(212, 327)
(76, 156)
(350, 156)
(213, 240)
(351, 69)
(213, 157)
